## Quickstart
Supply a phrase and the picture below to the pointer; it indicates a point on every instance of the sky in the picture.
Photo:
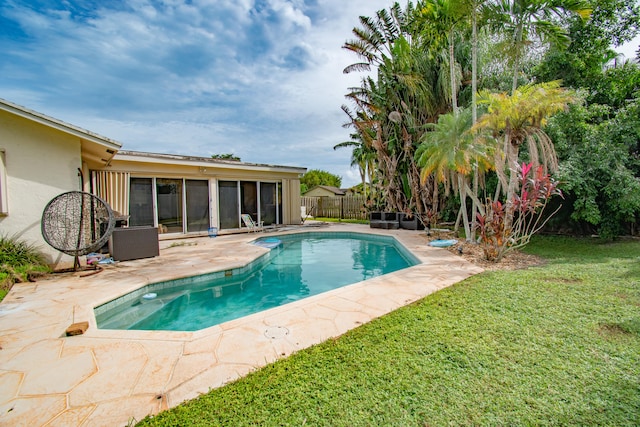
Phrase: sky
(629, 49)
(259, 79)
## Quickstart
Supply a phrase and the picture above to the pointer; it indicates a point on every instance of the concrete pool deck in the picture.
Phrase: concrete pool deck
(111, 377)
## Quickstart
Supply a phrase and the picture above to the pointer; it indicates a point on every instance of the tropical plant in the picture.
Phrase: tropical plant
(521, 22)
(612, 23)
(598, 141)
(375, 37)
(518, 119)
(362, 156)
(600, 168)
(449, 152)
(437, 22)
(498, 235)
(391, 110)
(425, 67)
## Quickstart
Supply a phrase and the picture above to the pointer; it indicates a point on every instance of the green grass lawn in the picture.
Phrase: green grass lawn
(552, 345)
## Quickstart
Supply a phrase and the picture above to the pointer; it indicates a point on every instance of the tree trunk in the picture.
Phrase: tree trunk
(496, 195)
(452, 74)
(370, 170)
(435, 207)
(474, 206)
(516, 60)
(512, 159)
(463, 206)
(456, 227)
(474, 65)
(474, 111)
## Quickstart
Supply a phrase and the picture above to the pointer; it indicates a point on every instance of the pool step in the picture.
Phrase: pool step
(269, 242)
(136, 313)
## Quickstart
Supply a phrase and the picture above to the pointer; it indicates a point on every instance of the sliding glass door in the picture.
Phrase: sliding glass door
(268, 203)
(182, 205)
(228, 204)
(169, 199)
(197, 195)
(167, 202)
(141, 202)
(249, 199)
(261, 200)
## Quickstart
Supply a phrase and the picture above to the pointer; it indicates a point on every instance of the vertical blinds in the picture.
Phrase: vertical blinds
(113, 188)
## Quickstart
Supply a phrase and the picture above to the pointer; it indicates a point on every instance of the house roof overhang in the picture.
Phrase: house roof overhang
(103, 150)
(94, 147)
(205, 164)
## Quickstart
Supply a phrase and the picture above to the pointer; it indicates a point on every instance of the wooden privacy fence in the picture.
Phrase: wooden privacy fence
(346, 207)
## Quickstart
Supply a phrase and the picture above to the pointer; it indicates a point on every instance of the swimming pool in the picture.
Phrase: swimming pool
(297, 266)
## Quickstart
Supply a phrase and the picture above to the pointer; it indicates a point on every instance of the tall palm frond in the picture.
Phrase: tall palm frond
(521, 21)
(519, 118)
(375, 37)
(449, 151)
(449, 146)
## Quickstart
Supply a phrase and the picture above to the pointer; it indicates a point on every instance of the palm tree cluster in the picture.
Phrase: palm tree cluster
(416, 134)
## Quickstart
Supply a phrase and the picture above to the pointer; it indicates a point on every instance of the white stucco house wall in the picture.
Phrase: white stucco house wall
(41, 158)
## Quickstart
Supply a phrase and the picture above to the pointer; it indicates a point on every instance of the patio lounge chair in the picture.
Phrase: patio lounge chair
(251, 224)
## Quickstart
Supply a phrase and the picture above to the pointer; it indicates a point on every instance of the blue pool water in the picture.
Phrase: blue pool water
(296, 267)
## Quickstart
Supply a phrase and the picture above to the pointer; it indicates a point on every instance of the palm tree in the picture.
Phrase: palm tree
(373, 45)
(476, 8)
(437, 21)
(449, 152)
(362, 156)
(374, 39)
(519, 118)
(392, 109)
(522, 20)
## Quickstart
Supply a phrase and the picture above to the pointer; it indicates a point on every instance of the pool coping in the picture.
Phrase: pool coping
(243, 269)
(108, 377)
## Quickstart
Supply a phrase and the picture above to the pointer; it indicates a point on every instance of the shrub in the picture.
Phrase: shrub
(599, 152)
(498, 234)
(19, 262)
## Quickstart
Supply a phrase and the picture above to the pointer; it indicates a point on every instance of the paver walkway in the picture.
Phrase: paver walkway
(109, 378)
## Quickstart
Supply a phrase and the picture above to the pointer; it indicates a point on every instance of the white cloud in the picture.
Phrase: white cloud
(258, 78)
(290, 13)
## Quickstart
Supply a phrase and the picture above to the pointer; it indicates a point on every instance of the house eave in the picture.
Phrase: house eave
(93, 145)
(202, 162)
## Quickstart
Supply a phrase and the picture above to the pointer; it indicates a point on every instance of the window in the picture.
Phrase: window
(4, 197)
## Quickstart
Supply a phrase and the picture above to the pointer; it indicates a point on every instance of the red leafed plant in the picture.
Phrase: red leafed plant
(498, 235)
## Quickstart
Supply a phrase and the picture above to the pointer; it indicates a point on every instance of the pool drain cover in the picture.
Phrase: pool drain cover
(276, 332)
